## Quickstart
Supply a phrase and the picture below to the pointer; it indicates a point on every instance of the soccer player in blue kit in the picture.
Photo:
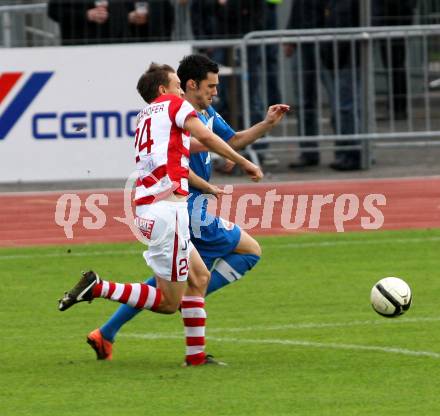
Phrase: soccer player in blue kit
(227, 251)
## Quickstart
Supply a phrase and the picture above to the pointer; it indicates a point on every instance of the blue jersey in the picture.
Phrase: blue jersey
(212, 236)
(200, 163)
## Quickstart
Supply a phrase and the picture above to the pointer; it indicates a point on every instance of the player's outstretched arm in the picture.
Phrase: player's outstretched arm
(274, 115)
(196, 146)
(217, 145)
(199, 183)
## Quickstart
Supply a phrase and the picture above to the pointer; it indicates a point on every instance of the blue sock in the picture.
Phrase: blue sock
(229, 269)
(151, 281)
(124, 314)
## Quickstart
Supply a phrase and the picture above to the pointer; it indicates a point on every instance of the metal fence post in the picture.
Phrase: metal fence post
(245, 95)
(7, 36)
(367, 84)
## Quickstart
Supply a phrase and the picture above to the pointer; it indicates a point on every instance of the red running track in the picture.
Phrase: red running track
(414, 203)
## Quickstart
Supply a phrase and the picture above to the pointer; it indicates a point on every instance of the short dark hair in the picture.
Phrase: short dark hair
(150, 81)
(195, 67)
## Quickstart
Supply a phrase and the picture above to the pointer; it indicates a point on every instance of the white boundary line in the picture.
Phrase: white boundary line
(356, 242)
(335, 181)
(66, 254)
(305, 343)
(331, 345)
(310, 325)
(299, 343)
(61, 192)
(238, 185)
(320, 325)
(298, 245)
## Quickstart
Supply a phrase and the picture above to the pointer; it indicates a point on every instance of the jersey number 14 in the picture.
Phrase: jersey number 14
(144, 139)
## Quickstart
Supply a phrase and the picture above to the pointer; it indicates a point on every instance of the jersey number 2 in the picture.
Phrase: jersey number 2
(183, 267)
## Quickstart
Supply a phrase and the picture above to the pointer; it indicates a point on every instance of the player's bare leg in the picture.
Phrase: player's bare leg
(165, 299)
(171, 294)
(198, 276)
(247, 245)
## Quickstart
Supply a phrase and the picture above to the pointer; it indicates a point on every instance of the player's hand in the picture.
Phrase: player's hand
(97, 15)
(214, 190)
(276, 112)
(224, 166)
(252, 170)
(137, 18)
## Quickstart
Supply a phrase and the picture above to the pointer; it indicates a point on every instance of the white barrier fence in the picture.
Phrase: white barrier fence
(69, 113)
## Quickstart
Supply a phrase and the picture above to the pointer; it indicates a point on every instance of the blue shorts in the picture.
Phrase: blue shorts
(216, 239)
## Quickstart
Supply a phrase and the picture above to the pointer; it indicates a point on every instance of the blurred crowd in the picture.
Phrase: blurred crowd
(336, 67)
(109, 21)
(100, 21)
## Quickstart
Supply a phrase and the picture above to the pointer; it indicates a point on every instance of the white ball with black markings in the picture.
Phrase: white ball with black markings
(391, 297)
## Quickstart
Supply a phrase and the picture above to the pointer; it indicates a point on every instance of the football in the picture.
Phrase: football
(391, 297)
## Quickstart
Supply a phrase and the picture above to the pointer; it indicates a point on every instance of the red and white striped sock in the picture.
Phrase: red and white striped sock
(194, 320)
(137, 295)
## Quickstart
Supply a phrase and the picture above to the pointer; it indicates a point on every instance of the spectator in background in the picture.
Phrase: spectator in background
(306, 14)
(227, 19)
(249, 17)
(210, 19)
(110, 21)
(270, 84)
(343, 81)
(395, 13)
(86, 22)
(182, 29)
(150, 21)
(271, 23)
(341, 78)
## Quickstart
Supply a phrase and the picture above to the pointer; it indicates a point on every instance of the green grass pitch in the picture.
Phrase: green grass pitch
(298, 334)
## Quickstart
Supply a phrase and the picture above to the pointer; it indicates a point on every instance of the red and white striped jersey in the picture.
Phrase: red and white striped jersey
(162, 149)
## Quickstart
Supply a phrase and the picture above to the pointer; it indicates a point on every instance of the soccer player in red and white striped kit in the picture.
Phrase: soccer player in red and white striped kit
(162, 150)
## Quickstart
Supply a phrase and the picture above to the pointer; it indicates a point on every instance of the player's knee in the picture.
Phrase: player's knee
(248, 245)
(199, 283)
(168, 307)
(255, 248)
(258, 250)
(204, 281)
